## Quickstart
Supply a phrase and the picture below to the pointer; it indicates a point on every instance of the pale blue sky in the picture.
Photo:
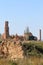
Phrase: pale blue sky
(20, 14)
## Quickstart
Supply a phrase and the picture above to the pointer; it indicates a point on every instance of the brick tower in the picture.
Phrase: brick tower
(6, 30)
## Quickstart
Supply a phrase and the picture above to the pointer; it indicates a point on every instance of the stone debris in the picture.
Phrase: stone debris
(11, 50)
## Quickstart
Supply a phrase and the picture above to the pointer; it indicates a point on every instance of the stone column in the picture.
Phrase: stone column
(40, 34)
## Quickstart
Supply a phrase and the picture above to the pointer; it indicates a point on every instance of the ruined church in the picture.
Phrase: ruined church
(27, 35)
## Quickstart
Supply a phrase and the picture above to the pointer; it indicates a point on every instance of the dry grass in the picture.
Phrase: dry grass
(31, 61)
(4, 61)
(26, 61)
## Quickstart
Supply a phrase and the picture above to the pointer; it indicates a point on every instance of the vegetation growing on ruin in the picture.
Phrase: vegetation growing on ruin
(33, 48)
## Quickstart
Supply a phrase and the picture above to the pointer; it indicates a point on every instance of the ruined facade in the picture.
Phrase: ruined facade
(28, 35)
